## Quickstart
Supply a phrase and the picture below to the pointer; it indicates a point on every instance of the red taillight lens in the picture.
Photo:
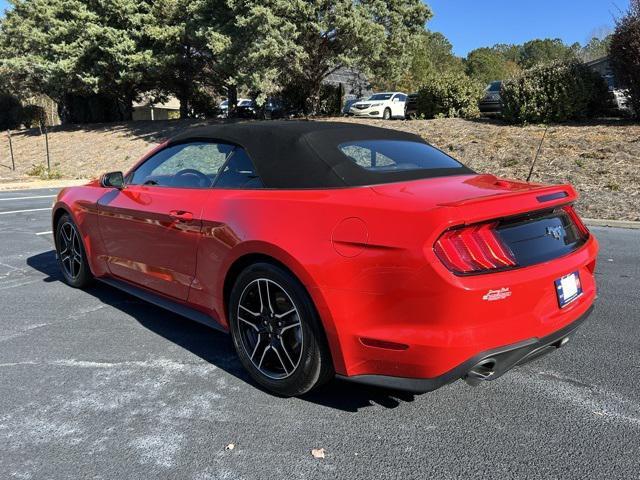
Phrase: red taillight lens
(573, 215)
(473, 249)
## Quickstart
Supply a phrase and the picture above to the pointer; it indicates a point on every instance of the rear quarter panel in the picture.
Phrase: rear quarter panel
(384, 281)
(300, 230)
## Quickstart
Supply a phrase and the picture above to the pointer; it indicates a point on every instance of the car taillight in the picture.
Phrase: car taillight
(473, 249)
(573, 215)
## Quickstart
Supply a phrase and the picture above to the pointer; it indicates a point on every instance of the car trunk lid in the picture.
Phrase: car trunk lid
(534, 222)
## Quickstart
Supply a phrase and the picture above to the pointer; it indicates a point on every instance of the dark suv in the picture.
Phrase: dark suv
(411, 106)
(492, 102)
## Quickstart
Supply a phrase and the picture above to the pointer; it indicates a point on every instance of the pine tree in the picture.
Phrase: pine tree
(85, 54)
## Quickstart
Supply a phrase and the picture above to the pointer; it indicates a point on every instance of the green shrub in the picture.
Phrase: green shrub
(450, 95)
(33, 115)
(36, 170)
(42, 172)
(625, 53)
(555, 92)
(173, 114)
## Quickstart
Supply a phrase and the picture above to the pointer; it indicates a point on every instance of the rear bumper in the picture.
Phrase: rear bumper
(422, 322)
(500, 360)
(490, 107)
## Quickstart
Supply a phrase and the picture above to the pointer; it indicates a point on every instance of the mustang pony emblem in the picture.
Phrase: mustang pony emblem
(555, 232)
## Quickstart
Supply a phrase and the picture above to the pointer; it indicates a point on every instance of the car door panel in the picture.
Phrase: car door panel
(151, 236)
(151, 228)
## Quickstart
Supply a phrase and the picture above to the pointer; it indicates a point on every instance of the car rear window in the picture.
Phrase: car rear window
(396, 155)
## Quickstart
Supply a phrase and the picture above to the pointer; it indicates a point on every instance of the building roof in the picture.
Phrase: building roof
(306, 154)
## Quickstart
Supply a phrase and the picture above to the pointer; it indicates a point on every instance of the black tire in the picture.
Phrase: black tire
(70, 253)
(303, 348)
(386, 115)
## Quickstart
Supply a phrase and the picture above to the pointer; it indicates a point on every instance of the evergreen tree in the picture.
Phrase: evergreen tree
(429, 54)
(301, 43)
(82, 53)
(490, 64)
(540, 52)
(625, 53)
(191, 41)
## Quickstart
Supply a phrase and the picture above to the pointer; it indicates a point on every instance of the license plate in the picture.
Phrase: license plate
(568, 288)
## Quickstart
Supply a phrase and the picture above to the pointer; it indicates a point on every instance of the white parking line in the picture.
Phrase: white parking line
(45, 233)
(26, 198)
(25, 211)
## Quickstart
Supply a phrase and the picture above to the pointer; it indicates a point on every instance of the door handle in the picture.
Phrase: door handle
(181, 215)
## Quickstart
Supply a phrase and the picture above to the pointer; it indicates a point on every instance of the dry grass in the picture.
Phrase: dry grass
(601, 160)
(83, 151)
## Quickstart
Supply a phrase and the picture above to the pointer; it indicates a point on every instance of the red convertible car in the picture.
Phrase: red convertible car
(330, 249)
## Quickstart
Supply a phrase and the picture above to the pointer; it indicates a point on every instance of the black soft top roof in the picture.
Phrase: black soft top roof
(305, 154)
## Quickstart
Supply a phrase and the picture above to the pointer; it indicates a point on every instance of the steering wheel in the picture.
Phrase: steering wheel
(182, 177)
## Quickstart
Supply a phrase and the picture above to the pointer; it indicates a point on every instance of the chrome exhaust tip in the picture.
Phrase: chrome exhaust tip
(481, 372)
(561, 343)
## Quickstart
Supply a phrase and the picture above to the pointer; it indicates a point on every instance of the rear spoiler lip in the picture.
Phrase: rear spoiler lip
(558, 194)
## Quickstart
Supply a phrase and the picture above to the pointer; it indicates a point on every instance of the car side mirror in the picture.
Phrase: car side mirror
(395, 100)
(112, 180)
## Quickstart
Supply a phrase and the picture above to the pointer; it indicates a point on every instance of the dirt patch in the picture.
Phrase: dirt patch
(601, 160)
(83, 151)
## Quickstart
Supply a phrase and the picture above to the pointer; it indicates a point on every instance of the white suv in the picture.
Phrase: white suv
(381, 105)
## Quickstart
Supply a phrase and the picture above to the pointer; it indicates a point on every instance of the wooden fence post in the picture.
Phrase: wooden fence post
(46, 142)
(13, 162)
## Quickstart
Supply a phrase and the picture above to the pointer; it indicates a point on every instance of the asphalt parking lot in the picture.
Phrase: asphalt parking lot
(97, 384)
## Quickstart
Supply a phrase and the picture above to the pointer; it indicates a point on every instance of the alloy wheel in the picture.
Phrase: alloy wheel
(270, 328)
(70, 250)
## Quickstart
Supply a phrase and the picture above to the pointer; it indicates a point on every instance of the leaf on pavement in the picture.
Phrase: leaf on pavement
(317, 452)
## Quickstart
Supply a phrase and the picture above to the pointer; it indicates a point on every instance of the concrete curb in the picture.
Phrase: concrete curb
(597, 222)
(37, 183)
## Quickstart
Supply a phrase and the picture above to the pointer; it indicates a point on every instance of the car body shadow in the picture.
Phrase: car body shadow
(215, 347)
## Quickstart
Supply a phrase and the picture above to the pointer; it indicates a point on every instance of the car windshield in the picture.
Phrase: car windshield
(494, 87)
(381, 96)
(245, 103)
(224, 103)
(393, 155)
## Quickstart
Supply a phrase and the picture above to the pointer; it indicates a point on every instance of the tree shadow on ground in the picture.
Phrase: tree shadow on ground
(215, 347)
(148, 130)
(151, 131)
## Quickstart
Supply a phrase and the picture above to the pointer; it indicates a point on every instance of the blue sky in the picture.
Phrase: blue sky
(470, 24)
